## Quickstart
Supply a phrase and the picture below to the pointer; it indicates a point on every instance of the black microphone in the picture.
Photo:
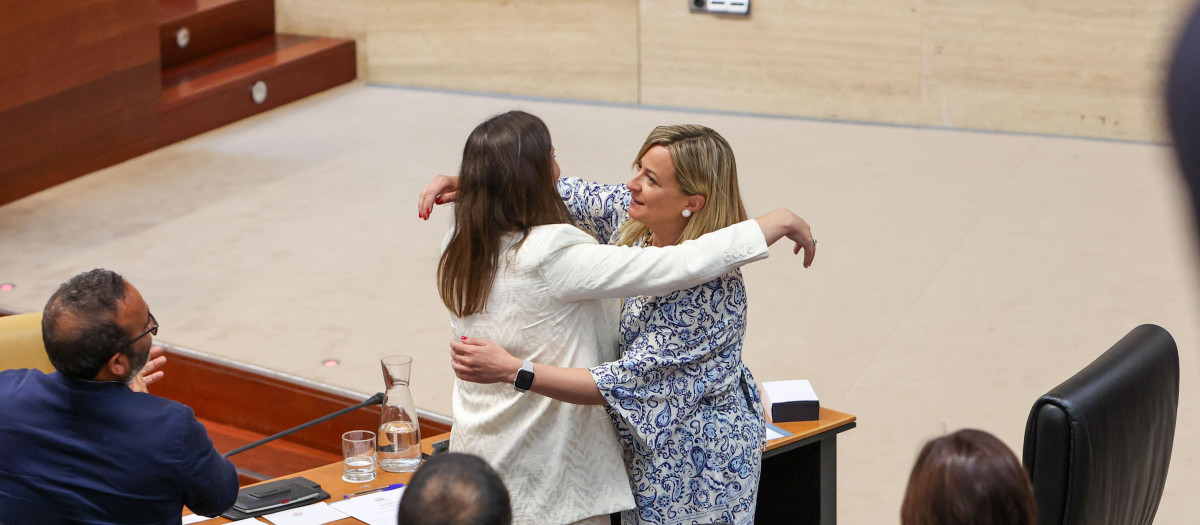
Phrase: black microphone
(376, 399)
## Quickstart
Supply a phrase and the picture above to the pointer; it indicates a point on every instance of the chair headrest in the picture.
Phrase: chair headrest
(1097, 446)
(21, 343)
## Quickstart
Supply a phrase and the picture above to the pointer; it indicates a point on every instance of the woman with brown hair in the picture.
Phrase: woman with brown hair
(517, 272)
(685, 406)
(968, 478)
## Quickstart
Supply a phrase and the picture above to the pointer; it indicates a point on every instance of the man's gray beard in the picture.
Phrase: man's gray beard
(136, 363)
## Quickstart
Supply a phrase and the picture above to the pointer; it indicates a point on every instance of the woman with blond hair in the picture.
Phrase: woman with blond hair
(686, 408)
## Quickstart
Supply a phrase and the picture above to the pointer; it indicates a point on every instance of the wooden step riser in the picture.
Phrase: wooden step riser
(251, 405)
(213, 29)
(92, 126)
(79, 89)
(211, 108)
(275, 459)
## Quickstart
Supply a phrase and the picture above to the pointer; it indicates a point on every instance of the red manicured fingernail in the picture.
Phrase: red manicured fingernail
(464, 338)
(427, 212)
(438, 200)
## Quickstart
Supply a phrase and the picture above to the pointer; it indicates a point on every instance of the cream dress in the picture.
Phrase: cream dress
(556, 300)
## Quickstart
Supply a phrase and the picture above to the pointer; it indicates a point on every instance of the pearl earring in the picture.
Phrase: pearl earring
(687, 213)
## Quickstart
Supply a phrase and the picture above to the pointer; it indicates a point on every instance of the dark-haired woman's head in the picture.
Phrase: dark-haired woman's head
(508, 171)
(968, 478)
(506, 185)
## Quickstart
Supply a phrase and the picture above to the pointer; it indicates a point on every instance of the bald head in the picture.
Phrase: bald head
(455, 489)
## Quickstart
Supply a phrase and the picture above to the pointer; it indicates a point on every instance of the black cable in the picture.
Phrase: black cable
(376, 399)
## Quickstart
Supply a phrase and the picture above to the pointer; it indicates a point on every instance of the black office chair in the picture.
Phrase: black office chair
(1097, 446)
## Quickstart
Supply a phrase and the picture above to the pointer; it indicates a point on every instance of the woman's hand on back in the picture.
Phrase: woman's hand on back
(443, 190)
(482, 361)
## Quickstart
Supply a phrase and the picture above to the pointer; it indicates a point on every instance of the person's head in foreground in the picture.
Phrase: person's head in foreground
(97, 327)
(455, 489)
(968, 478)
(685, 183)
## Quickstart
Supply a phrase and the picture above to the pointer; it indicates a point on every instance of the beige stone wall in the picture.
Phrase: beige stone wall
(571, 49)
(337, 18)
(843, 59)
(1067, 67)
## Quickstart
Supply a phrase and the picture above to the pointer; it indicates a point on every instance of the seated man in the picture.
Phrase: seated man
(80, 445)
(455, 489)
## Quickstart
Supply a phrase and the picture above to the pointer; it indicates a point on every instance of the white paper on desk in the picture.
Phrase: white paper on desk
(374, 509)
(247, 521)
(314, 514)
(772, 434)
(195, 518)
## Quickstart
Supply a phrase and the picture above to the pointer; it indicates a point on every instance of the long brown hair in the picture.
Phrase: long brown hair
(704, 165)
(968, 478)
(506, 184)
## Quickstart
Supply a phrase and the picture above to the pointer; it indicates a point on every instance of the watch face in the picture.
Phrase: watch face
(524, 379)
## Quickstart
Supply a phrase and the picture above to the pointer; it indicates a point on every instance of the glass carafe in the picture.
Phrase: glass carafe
(399, 442)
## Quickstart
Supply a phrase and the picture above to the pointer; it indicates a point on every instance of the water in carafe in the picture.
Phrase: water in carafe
(399, 445)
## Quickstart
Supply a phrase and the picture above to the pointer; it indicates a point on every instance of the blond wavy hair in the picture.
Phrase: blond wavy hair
(704, 165)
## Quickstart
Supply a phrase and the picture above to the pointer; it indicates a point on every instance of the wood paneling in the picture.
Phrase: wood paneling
(213, 25)
(277, 458)
(266, 405)
(55, 139)
(79, 89)
(210, 92)
(52, 47)
(581, 49)
(70, 133)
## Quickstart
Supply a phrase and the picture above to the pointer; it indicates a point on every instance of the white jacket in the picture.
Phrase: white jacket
(556, 301)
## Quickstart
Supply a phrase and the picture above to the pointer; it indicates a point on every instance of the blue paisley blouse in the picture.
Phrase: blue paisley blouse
(686, 408)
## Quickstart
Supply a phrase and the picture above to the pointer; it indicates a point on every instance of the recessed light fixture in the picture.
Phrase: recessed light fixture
(7, 286)
(330, 363)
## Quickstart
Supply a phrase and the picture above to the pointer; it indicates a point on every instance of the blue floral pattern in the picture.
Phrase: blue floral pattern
(686, 408)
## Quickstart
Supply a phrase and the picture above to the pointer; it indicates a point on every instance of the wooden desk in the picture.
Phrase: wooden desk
(798, 484)
(799, 472)
(330, 479)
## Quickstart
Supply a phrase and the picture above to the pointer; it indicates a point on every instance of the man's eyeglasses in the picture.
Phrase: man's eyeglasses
(153, 330)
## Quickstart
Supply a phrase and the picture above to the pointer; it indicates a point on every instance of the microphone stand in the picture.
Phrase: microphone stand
(376, 399)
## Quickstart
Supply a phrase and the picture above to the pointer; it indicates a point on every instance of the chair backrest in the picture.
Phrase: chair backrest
(1097, 446)
(21, 343)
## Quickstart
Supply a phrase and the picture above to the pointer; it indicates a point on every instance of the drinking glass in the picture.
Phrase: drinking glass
(358, 453)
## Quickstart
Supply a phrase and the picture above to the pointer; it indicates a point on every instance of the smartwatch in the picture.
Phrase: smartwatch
(524, 380)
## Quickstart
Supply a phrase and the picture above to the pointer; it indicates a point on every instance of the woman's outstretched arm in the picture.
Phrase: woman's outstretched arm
(483, 361)
(775, 224)
(781, 223)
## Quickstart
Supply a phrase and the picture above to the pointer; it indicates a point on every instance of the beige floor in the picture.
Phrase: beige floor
(959, 276)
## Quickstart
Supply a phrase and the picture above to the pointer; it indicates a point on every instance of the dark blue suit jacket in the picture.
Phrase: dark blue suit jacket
(84, 452)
